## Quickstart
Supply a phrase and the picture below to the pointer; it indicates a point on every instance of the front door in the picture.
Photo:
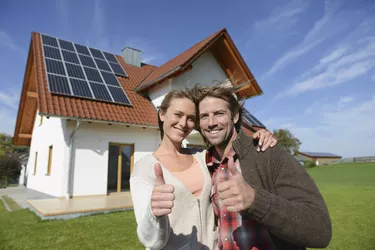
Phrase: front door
(120, 164)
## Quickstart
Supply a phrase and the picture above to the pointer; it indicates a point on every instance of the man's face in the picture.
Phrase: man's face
(216, 121)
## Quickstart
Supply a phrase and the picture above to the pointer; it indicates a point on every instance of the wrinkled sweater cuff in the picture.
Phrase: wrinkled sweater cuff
(261, 204)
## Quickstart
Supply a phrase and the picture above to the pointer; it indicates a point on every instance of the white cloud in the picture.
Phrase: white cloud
(351, 59)
(329, 25)
(7, 41)
(9, 99)
(280, 19)
(336, 54)
(348, 131)
(8, 121)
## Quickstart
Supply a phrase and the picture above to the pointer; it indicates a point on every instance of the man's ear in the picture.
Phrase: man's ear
(236, 117)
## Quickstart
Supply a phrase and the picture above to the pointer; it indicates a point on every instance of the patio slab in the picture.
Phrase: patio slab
(21, 194)
(49, 209)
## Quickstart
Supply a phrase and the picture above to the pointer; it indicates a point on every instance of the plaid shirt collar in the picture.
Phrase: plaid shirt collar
(213, 158)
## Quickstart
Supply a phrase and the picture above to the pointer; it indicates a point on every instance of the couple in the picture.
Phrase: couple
(230, 196)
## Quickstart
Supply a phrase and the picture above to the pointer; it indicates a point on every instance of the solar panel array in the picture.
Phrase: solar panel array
(248, 117)
(80, 71)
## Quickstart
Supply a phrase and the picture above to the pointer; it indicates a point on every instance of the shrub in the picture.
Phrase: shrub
(10, 168)
(309, 164)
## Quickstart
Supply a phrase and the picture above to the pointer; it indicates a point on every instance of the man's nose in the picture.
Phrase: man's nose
(211, 121)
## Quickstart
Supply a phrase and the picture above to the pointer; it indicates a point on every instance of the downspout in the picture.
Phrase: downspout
(70, 167)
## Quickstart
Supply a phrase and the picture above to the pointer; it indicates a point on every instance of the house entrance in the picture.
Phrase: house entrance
(120, 164)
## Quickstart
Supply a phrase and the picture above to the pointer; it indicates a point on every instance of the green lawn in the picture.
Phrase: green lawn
(349, 190)
(3, 209)
(11, 203)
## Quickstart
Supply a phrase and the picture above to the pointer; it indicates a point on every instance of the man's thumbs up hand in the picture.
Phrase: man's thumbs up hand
(236, 194)
(162, 194)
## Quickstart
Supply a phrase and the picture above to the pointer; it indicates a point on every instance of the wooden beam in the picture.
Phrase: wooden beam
(233, 55)
(27, 136)
(32, 94)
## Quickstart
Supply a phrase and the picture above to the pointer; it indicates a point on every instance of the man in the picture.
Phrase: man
(261, 200)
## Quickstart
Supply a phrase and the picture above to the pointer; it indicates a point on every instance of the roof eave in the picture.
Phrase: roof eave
(99, 121)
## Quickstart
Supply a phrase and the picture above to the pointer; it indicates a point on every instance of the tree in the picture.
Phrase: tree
(10, 165)
(287, 140)
(7, 147)
(10, 168)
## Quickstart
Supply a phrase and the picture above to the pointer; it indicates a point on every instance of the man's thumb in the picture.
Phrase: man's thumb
(234, 171)
(159, 174)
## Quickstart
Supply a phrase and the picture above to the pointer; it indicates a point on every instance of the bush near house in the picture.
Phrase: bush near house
(309, 164)
(10, 168)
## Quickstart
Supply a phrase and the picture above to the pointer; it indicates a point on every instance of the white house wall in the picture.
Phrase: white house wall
(91, 152)
(49, 133)
(205, 70)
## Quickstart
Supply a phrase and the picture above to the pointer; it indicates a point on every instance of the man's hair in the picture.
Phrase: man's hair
(173, 94)
(222, 91)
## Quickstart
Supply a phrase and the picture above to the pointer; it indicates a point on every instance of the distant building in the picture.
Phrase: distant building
(318, 158)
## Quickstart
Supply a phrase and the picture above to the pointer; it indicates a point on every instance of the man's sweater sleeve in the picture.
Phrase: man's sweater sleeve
(296, 212)
(153, 232)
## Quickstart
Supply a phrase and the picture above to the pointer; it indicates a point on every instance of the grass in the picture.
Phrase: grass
(11, 203)
(349, 190)
(3, 209)
(24, 230)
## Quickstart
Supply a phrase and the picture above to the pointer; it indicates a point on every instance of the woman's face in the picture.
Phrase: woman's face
(179, 119)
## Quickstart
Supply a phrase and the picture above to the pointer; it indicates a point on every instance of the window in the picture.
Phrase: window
(35, 162)
(120, 165)
(41, 120)
(50, 150)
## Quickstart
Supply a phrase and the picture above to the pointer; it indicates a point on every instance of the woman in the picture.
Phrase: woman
(171, 188)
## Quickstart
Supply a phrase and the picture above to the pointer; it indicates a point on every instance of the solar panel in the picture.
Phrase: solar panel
(110, 57)
(56, 67)
(96, 53)
(82, 49)
(247, 116)
(66, 45)
(117, 69)
(110, 79)
(80, 88)
(51, 52)
(58, 84)
(118, 95)
(70, 56)
(79, 71)
(87, 61)
(103, 65)
(48, 40)
(93, 75)
(74, 71)
(100, 91)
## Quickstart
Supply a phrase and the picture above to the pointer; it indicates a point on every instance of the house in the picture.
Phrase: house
(318, 158)
(88, 115)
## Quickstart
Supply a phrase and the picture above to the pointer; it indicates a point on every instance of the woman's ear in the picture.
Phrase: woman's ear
(161, 115)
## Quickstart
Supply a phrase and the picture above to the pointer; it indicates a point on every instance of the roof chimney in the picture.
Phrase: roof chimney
(132, 56)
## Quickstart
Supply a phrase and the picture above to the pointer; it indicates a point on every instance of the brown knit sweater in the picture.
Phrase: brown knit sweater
(287, 201)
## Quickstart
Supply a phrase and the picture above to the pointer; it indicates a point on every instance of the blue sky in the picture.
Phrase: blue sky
(315, 60)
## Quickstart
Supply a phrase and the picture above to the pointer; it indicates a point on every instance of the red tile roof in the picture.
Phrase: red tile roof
(177, 62)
